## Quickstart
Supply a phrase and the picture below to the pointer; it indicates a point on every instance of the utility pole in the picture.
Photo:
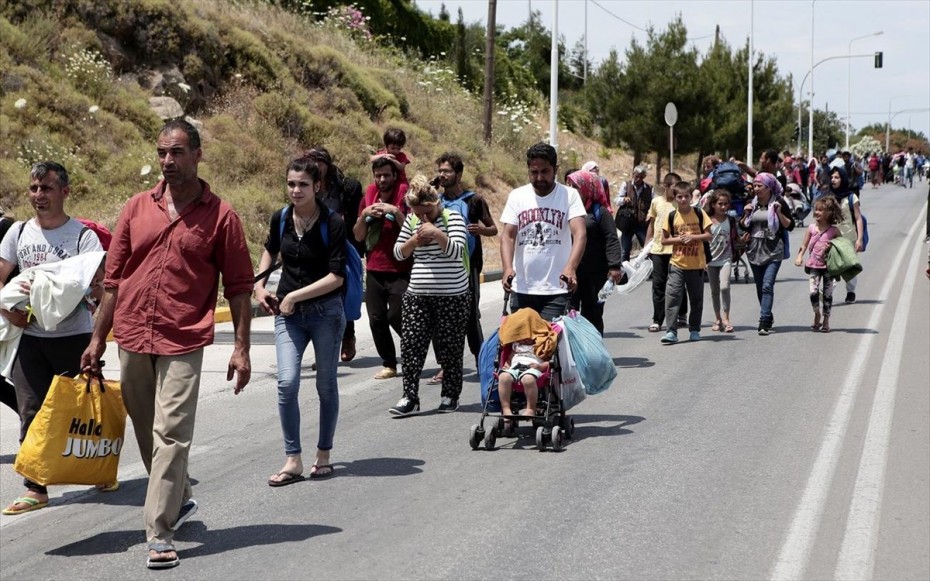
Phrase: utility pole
(749, 156)
(489, 69)
(554, 79)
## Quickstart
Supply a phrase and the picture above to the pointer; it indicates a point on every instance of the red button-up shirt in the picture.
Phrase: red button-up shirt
(167, 271)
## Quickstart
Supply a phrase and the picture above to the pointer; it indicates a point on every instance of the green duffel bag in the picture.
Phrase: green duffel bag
(842, 260)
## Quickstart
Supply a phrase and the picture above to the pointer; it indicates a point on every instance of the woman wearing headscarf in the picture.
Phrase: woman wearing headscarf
(602, 255)
(767, 219)
(592, 167)
(851, 227)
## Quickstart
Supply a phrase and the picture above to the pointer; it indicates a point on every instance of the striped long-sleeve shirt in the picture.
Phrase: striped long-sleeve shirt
(437, 271)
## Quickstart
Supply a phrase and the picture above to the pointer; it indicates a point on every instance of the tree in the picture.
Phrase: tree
(605, 104)
(829, 130)
(662, 71)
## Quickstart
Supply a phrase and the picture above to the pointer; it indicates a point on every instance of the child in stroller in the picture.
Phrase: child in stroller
(526, 367)
(520, 371)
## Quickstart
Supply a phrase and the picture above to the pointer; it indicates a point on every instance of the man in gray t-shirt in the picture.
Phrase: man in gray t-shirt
(50, 236)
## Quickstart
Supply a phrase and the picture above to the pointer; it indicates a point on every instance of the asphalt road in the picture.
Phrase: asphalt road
(798, 455)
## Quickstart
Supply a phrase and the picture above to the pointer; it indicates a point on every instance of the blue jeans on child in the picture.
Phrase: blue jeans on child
(321, 322)
(764, 275)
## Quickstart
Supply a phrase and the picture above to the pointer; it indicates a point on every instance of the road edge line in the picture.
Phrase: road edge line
(857, 553)
(795, 552)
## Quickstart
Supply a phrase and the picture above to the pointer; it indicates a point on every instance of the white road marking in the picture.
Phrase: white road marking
(857, 555)
(795, 552)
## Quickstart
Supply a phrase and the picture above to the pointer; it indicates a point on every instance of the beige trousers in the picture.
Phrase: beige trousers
(160, 393)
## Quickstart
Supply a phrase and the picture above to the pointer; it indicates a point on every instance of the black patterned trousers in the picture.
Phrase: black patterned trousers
(442, 320)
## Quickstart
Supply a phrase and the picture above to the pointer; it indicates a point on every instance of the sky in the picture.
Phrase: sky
(780, 30)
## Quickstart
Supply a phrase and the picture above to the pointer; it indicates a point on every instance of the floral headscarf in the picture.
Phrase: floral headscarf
(590, 187)
(770, 182)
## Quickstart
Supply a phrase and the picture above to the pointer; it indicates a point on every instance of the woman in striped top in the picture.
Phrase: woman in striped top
(435, 306)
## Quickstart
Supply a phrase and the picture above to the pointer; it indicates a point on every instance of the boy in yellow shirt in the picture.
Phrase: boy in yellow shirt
(662, 203)
(686, 229)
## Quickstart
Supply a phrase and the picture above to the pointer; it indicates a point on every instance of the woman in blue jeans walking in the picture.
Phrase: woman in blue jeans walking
(767, 219)
(308, 307)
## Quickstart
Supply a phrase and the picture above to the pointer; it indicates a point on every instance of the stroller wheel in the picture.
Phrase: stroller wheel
(556, 438)
(540, 439)
(475, 437)
(500, 426)
(490, 438)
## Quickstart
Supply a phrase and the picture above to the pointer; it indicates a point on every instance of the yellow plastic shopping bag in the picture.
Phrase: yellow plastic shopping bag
(77, 436)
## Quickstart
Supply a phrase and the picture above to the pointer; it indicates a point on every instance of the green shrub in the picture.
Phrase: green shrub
(246, 55)
(30, 42)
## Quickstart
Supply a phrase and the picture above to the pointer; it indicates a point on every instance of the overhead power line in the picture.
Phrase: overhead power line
(628, 23)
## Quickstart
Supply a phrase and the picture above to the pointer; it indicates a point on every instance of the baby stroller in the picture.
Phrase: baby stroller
(552, 425)
(738, 260)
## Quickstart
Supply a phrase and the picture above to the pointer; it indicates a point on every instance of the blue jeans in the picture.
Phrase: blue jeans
(764, 275)
(322, 322)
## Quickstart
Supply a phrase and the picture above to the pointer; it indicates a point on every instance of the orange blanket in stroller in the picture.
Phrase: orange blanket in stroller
(527, 324)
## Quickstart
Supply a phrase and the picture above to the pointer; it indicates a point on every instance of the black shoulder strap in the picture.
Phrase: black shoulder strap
(700, 214)
(81, 237)
(671, 222)
(22, 226)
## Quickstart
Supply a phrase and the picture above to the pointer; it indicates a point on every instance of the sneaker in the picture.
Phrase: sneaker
(763, 331)
(405, 407)
(695, 336)
(188, 509)
(448, 404)
(670, 337)
(850, 298)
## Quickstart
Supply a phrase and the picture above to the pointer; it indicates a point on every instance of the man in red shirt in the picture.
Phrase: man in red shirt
(170, 246)
(380, 217)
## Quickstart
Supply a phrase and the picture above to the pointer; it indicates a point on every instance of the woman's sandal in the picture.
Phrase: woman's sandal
(435, 380)
(654, 328)
(728, 328)
(715, 326)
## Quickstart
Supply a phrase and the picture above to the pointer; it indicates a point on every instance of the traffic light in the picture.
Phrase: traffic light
(878, 60)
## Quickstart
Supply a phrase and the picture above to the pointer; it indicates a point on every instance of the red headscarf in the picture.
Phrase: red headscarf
(589, 186)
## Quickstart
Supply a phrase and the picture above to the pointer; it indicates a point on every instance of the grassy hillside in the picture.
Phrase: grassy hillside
(76, 77)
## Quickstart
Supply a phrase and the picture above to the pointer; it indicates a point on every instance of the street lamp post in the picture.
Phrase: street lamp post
(888, 125)
(849, 77)
(554, 79)
(811, 104)
(810, 118)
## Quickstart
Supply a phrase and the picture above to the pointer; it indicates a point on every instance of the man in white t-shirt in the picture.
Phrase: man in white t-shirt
(543, 238)
(49, 237)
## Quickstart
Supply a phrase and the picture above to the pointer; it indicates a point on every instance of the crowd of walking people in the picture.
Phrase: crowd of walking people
(421, 241)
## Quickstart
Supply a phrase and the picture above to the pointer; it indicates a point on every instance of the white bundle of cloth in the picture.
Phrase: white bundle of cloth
(637, 272)
(55, 289)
